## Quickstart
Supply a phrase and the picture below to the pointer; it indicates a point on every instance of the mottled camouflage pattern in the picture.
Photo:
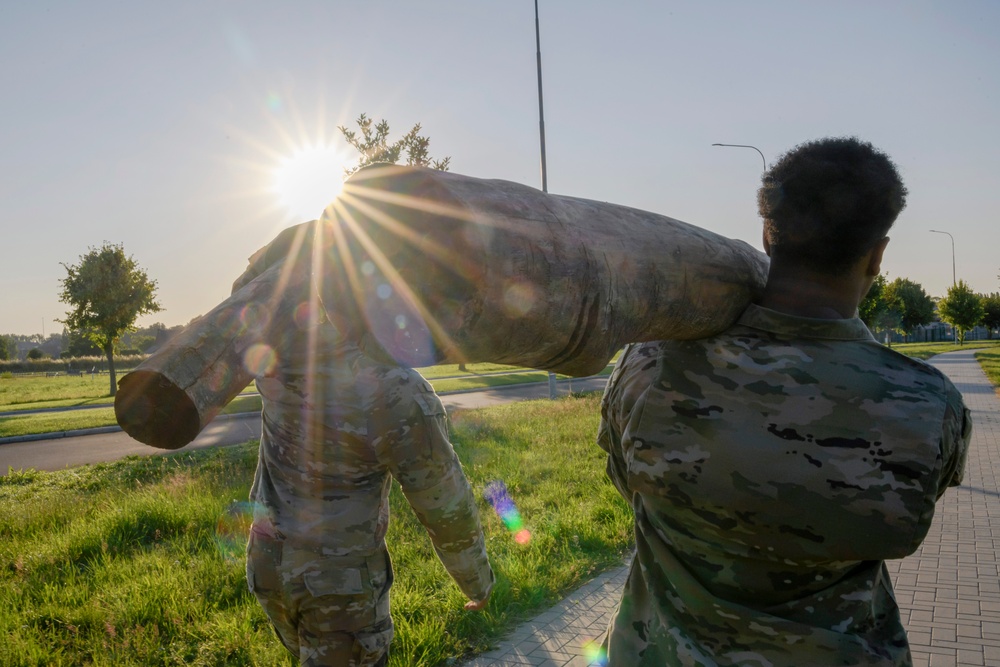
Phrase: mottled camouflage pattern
(772, 469)
(337, 426)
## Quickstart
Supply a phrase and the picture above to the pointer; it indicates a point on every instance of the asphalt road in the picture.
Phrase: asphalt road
(67, 452)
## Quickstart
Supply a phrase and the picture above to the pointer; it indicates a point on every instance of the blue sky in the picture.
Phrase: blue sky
(160, 125)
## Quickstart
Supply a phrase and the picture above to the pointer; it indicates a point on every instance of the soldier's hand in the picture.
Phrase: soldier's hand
(476, 605)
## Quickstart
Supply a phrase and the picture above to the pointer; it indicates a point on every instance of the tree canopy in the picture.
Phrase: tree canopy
(909, 300)
(375, 148)
(874, 302)
(991, 312)
(107, 291)
(961, 308)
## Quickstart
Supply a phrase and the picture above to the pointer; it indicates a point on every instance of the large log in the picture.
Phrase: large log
(172, 395)
(428, 266)
(453, 268)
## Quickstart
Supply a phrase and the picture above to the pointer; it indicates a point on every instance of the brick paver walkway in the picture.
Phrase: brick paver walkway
(948, 591)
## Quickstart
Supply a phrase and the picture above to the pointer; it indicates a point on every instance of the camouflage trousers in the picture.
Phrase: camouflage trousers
(327, 611)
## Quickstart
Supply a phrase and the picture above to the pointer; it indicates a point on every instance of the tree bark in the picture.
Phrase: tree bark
(453, 268)
(172, 395)
(109, 352)
(427, 266)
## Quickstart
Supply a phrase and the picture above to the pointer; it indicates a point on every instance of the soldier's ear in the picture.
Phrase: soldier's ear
(875, 258)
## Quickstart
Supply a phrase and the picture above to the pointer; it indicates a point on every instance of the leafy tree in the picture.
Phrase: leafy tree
(374, 146)
(874, 302)
(107, 291)
(4, 348)
(911, 302)
(991, 312)
(961, 308)
(78, 345)
(35, 353)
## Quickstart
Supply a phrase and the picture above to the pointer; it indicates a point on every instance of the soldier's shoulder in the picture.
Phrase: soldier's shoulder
(911, 364)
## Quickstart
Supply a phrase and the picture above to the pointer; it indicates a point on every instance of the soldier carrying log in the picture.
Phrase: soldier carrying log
(337, 426)
(775, 466)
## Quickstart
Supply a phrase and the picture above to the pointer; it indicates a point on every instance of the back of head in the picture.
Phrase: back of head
(826, 203)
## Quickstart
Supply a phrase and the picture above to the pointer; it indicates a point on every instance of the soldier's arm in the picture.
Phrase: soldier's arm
(616, 408)
(420, 456)
(955, 437)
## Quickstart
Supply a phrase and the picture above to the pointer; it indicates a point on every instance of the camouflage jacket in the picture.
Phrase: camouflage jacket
(336, 426)
(771, 470)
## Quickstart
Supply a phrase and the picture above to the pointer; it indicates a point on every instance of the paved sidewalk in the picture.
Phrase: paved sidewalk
(948, 591)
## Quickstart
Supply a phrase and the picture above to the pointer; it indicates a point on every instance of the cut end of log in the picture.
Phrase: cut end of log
(155, 411)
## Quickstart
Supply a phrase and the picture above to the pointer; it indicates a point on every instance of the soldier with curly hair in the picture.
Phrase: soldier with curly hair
(774, 468)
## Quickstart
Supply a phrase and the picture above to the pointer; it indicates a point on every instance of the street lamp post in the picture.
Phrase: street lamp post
(953, 281)
(541, 142)
(746, 146)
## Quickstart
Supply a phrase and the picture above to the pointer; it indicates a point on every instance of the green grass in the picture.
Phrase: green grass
(57, 422)
(928, 350)
(990, 361)
(71, 420)
(140, 561)
(61, 391)
(23, 393)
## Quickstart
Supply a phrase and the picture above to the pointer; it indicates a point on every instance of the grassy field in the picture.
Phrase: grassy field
(140, 562)
(40, 391)
(18, 393)
(990, 361)
(928, 350)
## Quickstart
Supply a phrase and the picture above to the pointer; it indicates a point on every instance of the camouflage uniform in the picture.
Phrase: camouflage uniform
(771, 470)
(336, 426)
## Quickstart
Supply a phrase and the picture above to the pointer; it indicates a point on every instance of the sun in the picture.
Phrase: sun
(309, 179)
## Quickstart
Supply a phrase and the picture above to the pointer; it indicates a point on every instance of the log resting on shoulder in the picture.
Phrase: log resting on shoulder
(172, 395)
(427, 266)
(452, 268)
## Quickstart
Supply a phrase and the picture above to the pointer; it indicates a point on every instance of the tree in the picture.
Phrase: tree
(874, 302)
(911, 302)
(991, 312)
(107, 291)
(4, 348)
(961, 308)
(78, 345)
(35, 354)
(374, 146)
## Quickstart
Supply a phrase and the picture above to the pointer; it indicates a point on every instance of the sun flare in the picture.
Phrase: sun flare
(309, 179)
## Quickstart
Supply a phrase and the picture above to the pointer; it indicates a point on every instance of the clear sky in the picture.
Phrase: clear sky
(159, 125)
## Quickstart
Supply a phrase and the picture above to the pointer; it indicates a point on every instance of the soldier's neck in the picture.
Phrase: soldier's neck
(807, 293)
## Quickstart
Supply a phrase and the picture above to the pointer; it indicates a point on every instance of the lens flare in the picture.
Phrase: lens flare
(518, 299)
(594, 653)
(259, 359)
(232, 529)
(496, 494)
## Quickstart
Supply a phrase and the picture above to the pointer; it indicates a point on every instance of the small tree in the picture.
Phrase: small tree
(35, 354)
(991, 312)
(874, 302)
(108, 292)
(4, 348)
(375, 148)
(912, 303)
(961, 308)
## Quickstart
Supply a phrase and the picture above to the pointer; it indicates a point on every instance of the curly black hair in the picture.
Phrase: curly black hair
(827, 202)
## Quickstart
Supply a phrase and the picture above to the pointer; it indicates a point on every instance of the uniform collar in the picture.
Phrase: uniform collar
(758, 317)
